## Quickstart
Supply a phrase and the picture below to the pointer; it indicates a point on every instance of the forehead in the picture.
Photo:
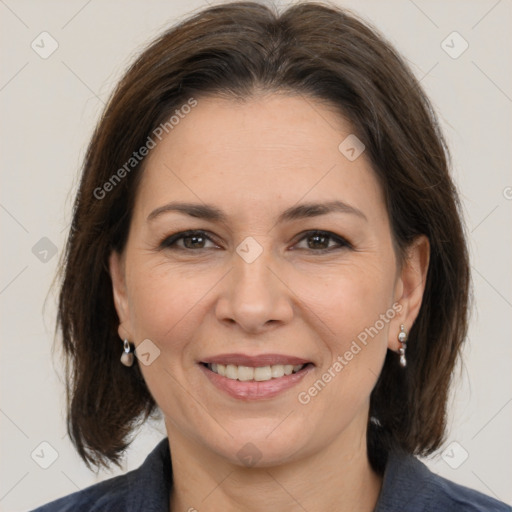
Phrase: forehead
(274, 123)
(266, 149)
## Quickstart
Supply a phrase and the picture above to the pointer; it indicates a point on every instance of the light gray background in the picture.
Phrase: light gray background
(48, 110)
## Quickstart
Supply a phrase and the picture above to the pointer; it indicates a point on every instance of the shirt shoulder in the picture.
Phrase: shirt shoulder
(145, 488)
(458, 497)
(107, 495)
(410, 486)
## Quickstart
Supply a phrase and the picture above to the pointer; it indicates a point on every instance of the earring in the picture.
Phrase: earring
(127, 356)
(402, 338)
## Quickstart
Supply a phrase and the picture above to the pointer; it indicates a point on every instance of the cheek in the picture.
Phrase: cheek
(352, 308)
(348, 299)
(353, 311)
(339, 301)
(165, 305)
(164, 301)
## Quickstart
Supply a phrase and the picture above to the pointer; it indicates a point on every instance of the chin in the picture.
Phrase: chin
(263, 444)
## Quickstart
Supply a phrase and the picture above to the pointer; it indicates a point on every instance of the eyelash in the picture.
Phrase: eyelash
(170, 242)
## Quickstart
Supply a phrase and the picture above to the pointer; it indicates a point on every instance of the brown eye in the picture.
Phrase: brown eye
(323, 241)
(187, 240)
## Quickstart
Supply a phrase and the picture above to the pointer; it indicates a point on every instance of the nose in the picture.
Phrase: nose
(254, 295)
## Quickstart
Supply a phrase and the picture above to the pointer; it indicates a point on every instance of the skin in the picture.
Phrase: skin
(253, 160)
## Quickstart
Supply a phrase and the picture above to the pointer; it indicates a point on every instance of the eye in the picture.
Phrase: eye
(322, 241)
(316, 241)
(187, 240)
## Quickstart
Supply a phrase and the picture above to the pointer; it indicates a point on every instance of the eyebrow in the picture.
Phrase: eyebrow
(301, 211)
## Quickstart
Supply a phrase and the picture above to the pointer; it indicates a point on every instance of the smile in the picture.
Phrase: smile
(258, 374)
(250, 383)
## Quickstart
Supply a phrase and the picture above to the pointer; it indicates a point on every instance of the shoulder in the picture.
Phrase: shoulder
(458, 497)
(106, 495)
(409, 485)
(145, 488)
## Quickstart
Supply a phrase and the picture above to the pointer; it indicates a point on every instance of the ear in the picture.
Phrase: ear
(409, 288)
(117, 274)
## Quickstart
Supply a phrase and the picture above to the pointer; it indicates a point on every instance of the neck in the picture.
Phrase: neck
(338, 477)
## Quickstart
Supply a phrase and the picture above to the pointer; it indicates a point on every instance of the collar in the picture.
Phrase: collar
(406, 486)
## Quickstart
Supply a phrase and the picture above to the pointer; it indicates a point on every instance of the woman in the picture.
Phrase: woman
(266, 221)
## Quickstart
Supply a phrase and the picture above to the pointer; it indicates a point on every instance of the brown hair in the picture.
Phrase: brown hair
(236, 50)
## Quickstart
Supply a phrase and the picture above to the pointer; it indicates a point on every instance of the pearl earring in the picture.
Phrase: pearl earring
(402, 338)
(127, 356)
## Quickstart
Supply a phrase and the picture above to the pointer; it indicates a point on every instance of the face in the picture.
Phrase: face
(253, 281)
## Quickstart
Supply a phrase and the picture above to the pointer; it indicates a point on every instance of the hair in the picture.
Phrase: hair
(235, 51)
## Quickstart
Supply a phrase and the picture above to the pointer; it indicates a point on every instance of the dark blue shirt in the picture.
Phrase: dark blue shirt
(408, 486)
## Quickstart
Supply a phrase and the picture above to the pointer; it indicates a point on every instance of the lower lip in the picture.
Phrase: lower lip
(254, 390)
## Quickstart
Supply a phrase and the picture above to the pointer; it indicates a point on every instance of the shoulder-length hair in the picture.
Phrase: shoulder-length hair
(236, 50)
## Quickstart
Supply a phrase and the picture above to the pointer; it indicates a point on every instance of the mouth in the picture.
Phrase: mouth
(255, 374)
(255, 378)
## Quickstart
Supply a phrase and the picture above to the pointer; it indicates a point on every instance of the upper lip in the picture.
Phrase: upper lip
(255, 361)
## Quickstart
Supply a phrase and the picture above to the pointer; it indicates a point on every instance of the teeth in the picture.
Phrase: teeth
(259, 374)
(231, 372)
(263, 373)
(277, 371)
(245, 373)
